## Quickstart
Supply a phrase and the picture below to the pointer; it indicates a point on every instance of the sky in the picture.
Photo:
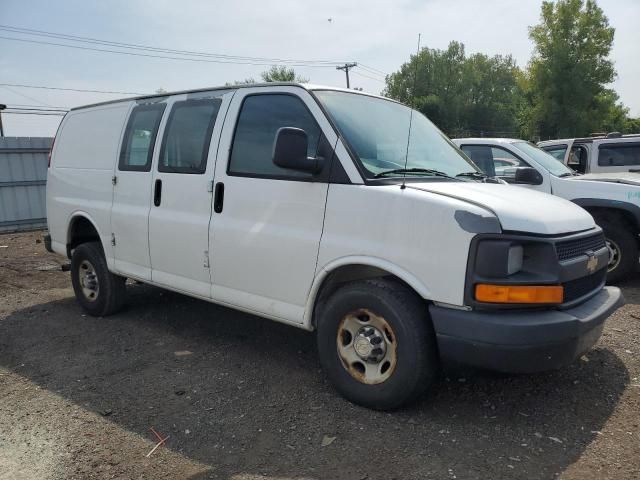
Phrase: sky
(379, 34)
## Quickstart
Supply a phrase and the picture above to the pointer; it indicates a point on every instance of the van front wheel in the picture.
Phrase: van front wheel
(376, 343)
(98, 291)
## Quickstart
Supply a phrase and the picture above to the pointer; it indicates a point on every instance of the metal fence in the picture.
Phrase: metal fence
(23, 178)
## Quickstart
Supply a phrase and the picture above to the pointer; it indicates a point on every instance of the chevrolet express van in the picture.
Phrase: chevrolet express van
(309, 206)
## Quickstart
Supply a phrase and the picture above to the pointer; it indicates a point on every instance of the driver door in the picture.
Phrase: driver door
(267, 221)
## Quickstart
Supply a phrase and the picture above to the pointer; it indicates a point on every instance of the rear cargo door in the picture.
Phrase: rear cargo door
(132, 191)
(182, 192)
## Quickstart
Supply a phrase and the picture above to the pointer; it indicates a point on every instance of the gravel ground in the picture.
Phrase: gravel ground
(243, 398)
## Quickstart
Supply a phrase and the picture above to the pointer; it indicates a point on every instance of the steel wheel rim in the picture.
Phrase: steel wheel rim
(614, 255)
(89, 281)
(367, 347)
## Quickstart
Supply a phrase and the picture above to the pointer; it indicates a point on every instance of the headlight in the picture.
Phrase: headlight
(514, 259)
(499, 258)
(506, 270)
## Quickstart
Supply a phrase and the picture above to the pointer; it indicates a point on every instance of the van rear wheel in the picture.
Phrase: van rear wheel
(376, 343)
(98, 291)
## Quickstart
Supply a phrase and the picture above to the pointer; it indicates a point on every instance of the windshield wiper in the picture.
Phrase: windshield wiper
(568, 174)
(472, 174)
(428, 171)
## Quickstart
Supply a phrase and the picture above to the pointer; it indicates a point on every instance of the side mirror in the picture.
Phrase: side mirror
(528, 176)
(290, 151)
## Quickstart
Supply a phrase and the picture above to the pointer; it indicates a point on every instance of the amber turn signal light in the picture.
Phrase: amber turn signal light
(519, 293)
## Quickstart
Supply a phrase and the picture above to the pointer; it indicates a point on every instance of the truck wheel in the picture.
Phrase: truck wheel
(623, 251)
(98, 291)
(376, 343)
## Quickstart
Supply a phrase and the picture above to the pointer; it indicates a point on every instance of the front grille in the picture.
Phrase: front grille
(574, 248)
(582, 286)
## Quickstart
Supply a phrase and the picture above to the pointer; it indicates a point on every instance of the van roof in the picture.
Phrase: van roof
(481, 140)
(306, 86)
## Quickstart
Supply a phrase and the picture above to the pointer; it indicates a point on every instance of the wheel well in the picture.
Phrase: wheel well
(609, 215)
(81, 231)
(345, 274)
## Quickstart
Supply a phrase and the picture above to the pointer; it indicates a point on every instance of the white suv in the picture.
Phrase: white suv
(605, 154)
(305, 205)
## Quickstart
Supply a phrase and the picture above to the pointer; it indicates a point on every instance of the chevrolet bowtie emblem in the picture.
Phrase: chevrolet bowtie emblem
(592, 263)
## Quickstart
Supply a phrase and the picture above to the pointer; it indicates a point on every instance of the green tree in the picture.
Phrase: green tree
(274, 74)
(570, 69)
(632, 125)
(282, 74)
(474, 95)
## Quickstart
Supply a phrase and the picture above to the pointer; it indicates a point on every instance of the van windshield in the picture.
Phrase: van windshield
(376, 131)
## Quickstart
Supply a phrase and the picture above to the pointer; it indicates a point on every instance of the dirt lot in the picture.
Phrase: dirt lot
(243, 398)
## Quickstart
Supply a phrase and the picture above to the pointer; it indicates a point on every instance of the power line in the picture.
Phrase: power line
(31, 113)
(70, 89)
(6, 87)
(165, 57)
(12, 107)
(373, 70)
(96, 41)
(44, 107)
(367, 76)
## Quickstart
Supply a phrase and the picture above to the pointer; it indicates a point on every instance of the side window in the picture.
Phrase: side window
(187, 136)
(621, 154)
(140, 137)
(495, 162)
(261, 116)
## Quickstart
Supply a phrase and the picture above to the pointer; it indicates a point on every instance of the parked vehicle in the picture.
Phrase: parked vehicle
(613, 199)
(304, 205)
(604, 154)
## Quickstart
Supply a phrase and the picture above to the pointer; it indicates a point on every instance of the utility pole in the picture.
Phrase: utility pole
(346, 68)
(2, 107)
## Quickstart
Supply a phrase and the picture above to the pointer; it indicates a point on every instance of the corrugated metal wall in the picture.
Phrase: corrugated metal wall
(23, 178)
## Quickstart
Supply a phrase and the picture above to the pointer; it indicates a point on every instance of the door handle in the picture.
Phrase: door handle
(157, 193)
(218, 197)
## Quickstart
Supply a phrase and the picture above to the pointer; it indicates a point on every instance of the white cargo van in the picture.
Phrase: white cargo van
(306, 205)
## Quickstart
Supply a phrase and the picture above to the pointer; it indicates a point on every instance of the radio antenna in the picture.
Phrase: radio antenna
(411, 102)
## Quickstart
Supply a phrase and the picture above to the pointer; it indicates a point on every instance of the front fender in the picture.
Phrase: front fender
(359, 260)
(628, 207)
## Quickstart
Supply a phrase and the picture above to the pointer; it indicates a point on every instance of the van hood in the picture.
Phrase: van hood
(628, 178)
(518, 209)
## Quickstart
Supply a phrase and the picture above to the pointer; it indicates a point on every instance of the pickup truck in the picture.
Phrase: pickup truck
(613, 199)
(313, 206)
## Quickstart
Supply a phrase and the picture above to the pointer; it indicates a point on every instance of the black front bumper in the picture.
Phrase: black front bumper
(523, 341)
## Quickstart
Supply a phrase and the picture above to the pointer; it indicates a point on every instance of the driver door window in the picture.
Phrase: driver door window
(260, 119)
(494, 161)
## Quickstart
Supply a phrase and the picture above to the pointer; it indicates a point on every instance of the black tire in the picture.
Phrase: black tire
(625, 241)
(110, 294)
(416, 352)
